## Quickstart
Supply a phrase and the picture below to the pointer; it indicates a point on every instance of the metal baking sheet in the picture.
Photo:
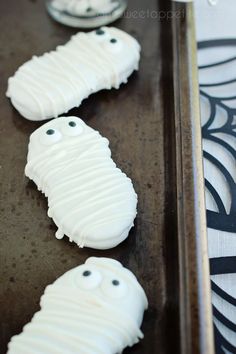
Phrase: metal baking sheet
(154, 131)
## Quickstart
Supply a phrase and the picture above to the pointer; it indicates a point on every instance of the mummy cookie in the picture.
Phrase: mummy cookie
(94, 308)
(52, 84)
(89, 198)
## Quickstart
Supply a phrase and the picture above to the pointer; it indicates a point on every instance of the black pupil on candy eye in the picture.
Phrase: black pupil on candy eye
(72, 124)
(86, 273)
(100, 31)
(115, 282)
(113, 40)
(89, 9)
(50, 132)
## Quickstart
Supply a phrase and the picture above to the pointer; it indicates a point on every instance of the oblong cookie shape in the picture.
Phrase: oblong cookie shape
(90, 200)
(96, 307)
(50, 85)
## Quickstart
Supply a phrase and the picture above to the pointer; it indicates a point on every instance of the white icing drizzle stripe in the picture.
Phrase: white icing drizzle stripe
(38, 85)
(56, 71)
(80, 320)
(87, 138)
(40, 335)
(103, 164)
(41, 162)
(50, 162)
(80, 224)
(97, 68)
(102, 221)
(28, 342)
(70, 65)
(120, 321)
(88, 188)
(32, 93)
(81, 179)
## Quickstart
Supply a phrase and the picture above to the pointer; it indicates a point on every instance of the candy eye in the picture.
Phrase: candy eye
(100, 35)
(113, 45)
(115, 282)
(100, 32)
(73, 128)
(50, 136)
(89, 9)
(88, 278)
(114, 288)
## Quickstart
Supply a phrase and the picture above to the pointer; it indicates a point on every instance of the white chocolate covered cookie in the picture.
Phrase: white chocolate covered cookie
(90, 200)
(95, 308)
(52, 84)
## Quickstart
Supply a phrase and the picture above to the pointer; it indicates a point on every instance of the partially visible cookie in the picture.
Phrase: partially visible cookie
(52, 84)
(95, 308)
(90, 200)
(86, 8)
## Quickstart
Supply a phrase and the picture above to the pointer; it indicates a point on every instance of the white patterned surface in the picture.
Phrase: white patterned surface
(218, 22)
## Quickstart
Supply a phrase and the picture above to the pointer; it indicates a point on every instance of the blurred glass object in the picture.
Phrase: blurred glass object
(86, 13)
(213, 2)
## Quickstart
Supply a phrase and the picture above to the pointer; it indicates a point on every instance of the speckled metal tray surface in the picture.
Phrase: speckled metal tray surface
(154, 131)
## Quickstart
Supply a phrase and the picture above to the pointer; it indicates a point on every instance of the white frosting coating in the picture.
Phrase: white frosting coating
(95, 308)
(90, 200)
(86, 7)
(52, 84)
